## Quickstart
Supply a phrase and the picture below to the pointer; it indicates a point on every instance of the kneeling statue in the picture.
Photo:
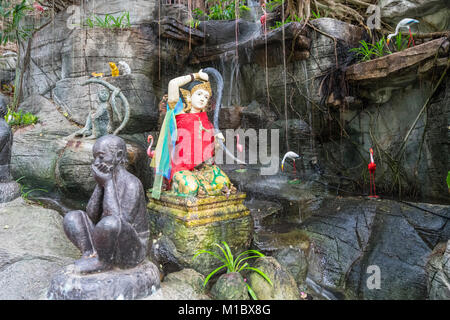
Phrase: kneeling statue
(114, 230)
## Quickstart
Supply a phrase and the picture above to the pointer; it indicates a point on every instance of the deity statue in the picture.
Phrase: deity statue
(184, 154)
(114, 230)
(6, 140)
(100, 121)
(9, 189)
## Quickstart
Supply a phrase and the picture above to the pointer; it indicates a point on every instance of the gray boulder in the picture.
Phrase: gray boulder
(438, 271)
(77, 100)
(56, 161)
(433, 14)
(295, 261)
(8, 63)
(190, 277)
(349, 239)
(230, 286)
(284, 286)
(186, 284)
(33, 247)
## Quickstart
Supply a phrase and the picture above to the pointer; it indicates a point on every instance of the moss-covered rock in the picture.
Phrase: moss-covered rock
(295, 261)
(283, 284)
(190, 277)
(208, 221)
(230, 286)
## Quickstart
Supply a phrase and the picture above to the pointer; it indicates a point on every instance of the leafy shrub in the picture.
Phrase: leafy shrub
(20, 118)
(109, 21)
(220, 10)
(234, 264)
(367, 51)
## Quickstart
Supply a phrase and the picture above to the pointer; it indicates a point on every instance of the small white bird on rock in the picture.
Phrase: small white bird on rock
(124, 67)
(403, 24)
(291, 155)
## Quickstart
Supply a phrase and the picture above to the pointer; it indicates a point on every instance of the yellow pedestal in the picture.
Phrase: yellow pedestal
(194, 223)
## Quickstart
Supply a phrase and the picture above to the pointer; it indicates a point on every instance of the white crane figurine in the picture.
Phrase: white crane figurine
(291, 155)
(403, 24)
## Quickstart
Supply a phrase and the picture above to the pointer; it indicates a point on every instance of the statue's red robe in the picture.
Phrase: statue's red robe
(195, 141)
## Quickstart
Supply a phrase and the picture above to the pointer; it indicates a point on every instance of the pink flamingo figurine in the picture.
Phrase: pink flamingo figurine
(263, 17)
(150, 152)
(38, 7)
(372, 167)
(238, 145)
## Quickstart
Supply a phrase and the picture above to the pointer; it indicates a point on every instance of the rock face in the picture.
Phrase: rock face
(58, 162)
(188, 276)
(129, 284)
(186, 284)
(432, 14)
(295, 261)
(438, 271)
(8, 63)
(9, 191)
(346, 239)
(63, 56)
(33, 247)
(76, 100)
(230, 286)
(284, 286)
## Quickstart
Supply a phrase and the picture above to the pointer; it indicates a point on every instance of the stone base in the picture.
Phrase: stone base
(117, 284)
(9, 191)
(193, 224)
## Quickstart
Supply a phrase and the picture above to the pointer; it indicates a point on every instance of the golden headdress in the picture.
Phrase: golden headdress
(205, 85)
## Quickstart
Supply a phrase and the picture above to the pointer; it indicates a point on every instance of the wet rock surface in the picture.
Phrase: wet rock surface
(186, 284)
(438, 272)
(230, 286)
(284, 286)
(341, 238)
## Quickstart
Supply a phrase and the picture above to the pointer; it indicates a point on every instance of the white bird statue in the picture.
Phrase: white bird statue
(403, 24)
(291, 155)
(124, 67)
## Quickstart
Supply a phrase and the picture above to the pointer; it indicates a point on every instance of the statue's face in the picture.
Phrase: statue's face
(199, 99)
(103, 155)
(103, 95)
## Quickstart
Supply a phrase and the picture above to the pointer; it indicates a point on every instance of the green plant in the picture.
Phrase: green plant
(273, 4)
(14, 30)
(25, 190)
(109, 21)
(364, 52)
(378, 47)
(221, 10)
(12, 26)
(288, 20)
(20, 118)
(234, 264)
(194, 23)
(316, 15)
(399, 43)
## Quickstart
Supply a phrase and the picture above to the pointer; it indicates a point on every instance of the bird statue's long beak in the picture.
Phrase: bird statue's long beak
(387, 41)
(281, 167)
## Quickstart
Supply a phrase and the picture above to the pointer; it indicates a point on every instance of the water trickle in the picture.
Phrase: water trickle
(255, 10)
(229, 67)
